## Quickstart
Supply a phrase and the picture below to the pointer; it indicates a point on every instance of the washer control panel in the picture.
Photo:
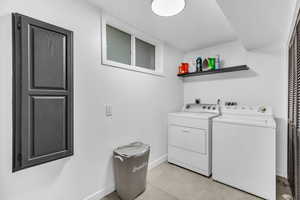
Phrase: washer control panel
(247, 110)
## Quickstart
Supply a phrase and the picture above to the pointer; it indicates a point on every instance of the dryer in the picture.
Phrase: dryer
(244, 152)
(189, 137)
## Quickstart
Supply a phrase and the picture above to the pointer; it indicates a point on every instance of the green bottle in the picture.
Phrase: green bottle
(212, 63)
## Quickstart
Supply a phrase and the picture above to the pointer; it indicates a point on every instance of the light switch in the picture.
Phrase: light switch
(108, 110)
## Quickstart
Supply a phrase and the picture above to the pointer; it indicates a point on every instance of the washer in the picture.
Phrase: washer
(189, 137)
(244, 149)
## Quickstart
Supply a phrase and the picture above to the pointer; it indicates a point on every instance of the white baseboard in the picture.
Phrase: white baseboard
(105, 191)
(158, 161)
(100, 194)
(281, 173)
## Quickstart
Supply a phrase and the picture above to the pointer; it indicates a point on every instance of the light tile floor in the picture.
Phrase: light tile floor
(170, 182)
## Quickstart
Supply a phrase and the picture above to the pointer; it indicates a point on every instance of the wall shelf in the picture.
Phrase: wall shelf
(222, 70)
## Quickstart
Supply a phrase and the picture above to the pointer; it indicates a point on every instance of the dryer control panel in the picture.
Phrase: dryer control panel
(210, 108)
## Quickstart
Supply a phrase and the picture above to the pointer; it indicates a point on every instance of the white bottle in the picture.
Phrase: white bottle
(218, 61)
(192, 66)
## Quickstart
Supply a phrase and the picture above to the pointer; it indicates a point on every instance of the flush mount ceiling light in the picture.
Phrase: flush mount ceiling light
(167, 8)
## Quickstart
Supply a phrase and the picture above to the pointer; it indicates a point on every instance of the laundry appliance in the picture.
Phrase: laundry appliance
(244, 149)
(189, 137)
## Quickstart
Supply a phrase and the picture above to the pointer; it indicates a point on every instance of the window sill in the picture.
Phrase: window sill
(132, 68)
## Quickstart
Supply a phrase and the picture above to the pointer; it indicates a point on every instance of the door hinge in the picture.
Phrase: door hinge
(20, 157)
(19, 26)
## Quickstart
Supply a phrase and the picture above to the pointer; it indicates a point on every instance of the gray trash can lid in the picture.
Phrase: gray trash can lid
(132, 149)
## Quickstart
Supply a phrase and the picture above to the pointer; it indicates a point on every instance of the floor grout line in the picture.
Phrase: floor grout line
(162, 190)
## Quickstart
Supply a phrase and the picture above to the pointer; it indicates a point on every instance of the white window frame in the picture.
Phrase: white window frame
(108, 20)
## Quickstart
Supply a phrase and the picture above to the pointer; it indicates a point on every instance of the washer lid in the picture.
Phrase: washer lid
(267, 122)
(260, 115)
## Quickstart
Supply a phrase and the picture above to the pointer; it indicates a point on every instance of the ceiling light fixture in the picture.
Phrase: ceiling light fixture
(167, 8)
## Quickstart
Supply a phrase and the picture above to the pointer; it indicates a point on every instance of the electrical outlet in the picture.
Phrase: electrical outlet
(108, 110)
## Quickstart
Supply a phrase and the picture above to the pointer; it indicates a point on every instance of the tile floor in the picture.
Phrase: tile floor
(170, 182)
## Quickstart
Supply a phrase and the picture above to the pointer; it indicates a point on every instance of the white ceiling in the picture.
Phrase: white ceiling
(257, 23)
(201, 24)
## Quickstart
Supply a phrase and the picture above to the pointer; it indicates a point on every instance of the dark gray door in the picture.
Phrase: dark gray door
(291, 113)
(294, 113)
(43, 92)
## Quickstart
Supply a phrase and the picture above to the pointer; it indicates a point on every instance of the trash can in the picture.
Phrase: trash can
(130, 167)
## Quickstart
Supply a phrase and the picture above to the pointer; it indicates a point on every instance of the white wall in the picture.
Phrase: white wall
(140, 106)
(265, 84)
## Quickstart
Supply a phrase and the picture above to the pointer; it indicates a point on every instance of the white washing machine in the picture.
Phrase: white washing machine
(189, 137)
(244, 150)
